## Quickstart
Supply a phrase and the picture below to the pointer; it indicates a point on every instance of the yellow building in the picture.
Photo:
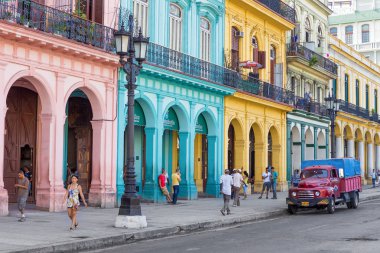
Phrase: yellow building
(357, 126)
(255, 116)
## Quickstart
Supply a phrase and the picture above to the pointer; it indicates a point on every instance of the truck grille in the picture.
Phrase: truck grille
(305, 194)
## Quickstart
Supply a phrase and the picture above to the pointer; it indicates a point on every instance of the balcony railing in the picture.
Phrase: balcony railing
(54, 21)
(354, 109)
(186, 64)
(280, 8)
(296, 49)
(311, 106)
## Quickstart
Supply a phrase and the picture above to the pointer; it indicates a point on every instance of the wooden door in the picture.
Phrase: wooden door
(84, 157)
(231, 148)
(204, 161)
(20, 131)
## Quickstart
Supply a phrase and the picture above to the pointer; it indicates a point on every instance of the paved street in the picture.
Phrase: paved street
(345, 231)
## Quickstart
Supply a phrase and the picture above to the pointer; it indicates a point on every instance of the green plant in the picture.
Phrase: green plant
(8, 15)
(313, 60)
(59, 27)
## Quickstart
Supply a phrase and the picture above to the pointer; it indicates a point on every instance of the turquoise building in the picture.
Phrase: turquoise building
(179, 99)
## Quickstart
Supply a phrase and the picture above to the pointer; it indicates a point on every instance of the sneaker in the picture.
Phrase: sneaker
(260, 197)
(22, 219)
(222, 212)
(229, 213)
(266, 197)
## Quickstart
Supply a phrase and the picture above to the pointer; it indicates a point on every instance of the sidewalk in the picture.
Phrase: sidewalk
(48, 232)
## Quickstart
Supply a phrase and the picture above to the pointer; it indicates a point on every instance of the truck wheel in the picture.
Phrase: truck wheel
(292, 209)
(349, 205)
(355, 200)
(331, 206)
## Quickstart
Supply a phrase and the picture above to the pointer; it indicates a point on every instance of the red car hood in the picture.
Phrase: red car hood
(313, 182)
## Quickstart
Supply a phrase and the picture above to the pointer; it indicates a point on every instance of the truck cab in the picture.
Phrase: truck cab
(323, 185)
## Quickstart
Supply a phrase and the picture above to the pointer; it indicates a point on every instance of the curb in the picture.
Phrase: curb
(122, 239)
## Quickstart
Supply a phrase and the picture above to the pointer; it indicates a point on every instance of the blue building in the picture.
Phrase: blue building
(179, 98)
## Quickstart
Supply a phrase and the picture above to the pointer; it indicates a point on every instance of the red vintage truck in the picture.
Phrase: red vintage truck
(325, 184)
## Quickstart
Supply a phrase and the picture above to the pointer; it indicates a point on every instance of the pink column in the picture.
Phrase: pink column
(97, 187)
(3, 191)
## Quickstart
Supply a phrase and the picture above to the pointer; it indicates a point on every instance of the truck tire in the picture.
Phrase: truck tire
(331, 206)
(349, 205)
(355, 200)
(292, 209)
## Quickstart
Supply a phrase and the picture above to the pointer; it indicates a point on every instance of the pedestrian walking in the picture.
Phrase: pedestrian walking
(22, 188)
(266, 180)
(373, 178)
(274, 176)
(74, 190)
(225, 189)
(28, 175)
(237, 181)
(162, 179)
(245, 184)
(176, 179)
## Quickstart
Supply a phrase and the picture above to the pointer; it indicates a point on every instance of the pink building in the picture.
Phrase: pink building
(58, 100)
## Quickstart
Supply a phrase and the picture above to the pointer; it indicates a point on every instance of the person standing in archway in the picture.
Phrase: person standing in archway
(162, 179)
(22, 187)
(72, 200)
(266, 182)
(176, 179)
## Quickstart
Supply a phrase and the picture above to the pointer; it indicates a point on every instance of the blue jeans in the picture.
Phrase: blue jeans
(175, 193)
(274, 188)
(373, 182)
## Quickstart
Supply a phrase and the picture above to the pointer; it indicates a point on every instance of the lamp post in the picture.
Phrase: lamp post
(132, 52)
(333, 108)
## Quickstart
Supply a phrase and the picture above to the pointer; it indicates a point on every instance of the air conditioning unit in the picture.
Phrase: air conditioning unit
(239, 34)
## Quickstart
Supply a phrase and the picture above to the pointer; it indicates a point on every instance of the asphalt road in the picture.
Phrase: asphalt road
(347, 230)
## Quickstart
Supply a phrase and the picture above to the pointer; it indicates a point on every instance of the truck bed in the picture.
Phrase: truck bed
(350, 184)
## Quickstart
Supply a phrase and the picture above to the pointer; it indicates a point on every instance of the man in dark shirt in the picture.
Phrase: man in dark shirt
(22, 188)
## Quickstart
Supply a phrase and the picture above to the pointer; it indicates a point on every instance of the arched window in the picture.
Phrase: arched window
(348, 34)
(320, 37)
(365, 33)
(255, 49)
(175, 30)
(205, 39)
(307, 30)
(334, 31)
(235, 39)
(272, 64)
(269, 149)
(140, 12)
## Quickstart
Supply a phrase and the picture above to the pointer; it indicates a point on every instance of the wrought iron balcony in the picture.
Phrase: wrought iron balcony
(188, 65)
(310, 106)
(354, 109)
(296, 49)
(281, 9)
(54, 21)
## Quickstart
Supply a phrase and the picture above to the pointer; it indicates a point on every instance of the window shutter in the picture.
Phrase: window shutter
(255, 55)
(262, 58)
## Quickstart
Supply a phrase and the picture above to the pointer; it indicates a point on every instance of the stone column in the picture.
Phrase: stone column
(327, 143)
(315, 143)
(351, 148)
(212, 186)
(149, 188)
(121, 121)
(369, 159)
(303, 142)
(96, 188)
(377, 157)
(361, 158)
(188, 189)
(3, 191)
(289, 151)
(338, 146)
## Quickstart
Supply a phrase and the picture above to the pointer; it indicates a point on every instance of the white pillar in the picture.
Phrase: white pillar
(377, 157)
(3, 191)
(338, 145)
(350, 148)
(369, 159)
(361, 157)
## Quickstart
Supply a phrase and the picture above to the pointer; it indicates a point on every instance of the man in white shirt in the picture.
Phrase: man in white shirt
(373, 178)
(225, 189)
(237, 181)
(267, 184)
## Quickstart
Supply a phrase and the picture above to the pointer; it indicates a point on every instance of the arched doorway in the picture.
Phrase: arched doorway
(139, 145)
(296, 149)
(270, 150)
(309, 142)
(252, 159)
(20, 137)
(79, 139)
(170, 142)
(201, 154)
(321, 154)
(231, 147)
(235, 148)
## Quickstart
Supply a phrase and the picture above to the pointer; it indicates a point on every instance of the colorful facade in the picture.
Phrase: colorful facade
(58, 104)
(357, 127)
(180, 98)
(255, 116)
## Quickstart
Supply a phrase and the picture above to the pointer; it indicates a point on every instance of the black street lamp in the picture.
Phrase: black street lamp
(132, 52)
(333, 108)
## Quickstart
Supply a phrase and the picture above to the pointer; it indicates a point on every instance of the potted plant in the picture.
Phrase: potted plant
(8, 16)
(24, 21)
(313, 60)
(59, 28)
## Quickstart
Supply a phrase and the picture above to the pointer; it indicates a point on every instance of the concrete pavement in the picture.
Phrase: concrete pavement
(48, 232)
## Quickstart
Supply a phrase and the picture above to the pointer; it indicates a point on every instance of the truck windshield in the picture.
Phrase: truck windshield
(314, 174)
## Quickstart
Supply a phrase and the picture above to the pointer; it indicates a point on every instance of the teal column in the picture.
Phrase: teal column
(327, 143)
(289, 151)
(65, 140)
(212, 186)
(121, 123)
(302, 142)
(315, 144)
(150, 187)
(187, 189)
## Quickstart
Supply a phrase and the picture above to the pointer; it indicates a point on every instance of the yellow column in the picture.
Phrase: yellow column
(198, 162)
